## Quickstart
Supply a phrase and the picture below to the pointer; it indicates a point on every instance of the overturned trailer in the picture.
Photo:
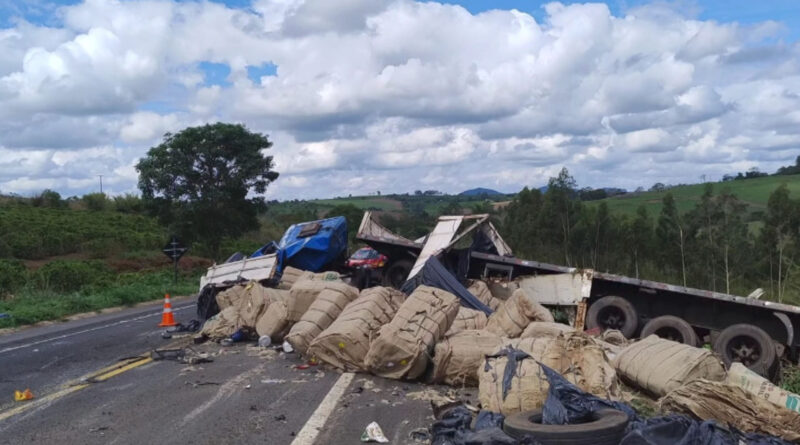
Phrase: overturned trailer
(741, 329)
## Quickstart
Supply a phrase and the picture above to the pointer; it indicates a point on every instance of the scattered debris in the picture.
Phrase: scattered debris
(279, 418)
(98, 429)
(5, 315)
(287, 348)
(373, 433)
(420, 435)
(20, 396)
(183, 355)
(273, 381)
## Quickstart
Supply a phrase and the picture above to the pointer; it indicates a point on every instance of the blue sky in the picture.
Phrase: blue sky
(370, 95)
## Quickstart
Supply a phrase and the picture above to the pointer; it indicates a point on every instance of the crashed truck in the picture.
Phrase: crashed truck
(748, 330)
(313, 246)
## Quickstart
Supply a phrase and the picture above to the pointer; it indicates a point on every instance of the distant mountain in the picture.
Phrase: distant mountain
(480, 191)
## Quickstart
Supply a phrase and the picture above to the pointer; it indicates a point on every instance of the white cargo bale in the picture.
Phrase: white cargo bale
(576, 357)
(481, 291)
(659, 366)
(322, 312)
(345, 343)
(290, 276)
(536, 329)
(305, 290)
(457, 357)
(252, 303)
(221, 325)
(514, 315)
(230, 296)
(274, 323)
(403, 346)
(467, 319)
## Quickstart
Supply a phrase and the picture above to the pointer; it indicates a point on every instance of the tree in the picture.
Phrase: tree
(732, 232)
(561, 208)
(671, 235)
(780, 233)
(205, 182)
(640, 237)
(95, 201)
(704, 218)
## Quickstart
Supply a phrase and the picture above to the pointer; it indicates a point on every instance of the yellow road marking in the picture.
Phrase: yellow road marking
(77, 385)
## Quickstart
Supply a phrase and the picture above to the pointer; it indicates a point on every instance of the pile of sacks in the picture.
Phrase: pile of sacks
(427, 335)
(430, 336)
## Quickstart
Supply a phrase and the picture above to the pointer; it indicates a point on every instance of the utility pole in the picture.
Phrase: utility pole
(101, 183)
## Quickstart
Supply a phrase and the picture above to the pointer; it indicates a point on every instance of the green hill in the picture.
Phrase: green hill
(755, 192)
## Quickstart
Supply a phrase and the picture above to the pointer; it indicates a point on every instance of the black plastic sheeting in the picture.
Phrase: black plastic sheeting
(567, 403)
(434, 274)
(454, 429)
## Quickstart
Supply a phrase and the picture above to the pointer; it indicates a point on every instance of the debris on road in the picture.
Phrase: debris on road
(373, 433)
(183, 355)
(21, 396)
(753, 383)
(732, 405)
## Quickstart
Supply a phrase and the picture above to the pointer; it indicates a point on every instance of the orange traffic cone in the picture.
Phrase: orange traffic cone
(167, 319)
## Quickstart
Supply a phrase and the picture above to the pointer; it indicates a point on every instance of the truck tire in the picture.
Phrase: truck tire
(603, 427)
(396, 274)
(671, 328)
(749, 345)
(613, 313)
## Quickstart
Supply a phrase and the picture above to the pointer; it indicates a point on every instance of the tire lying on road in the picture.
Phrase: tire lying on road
(749, 345)
(671, 328)
(603, 427)
(613, 313)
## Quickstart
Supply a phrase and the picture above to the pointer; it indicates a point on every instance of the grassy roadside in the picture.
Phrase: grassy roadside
(30, 305)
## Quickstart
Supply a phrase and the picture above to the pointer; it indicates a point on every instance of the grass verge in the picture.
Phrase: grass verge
(31, 305)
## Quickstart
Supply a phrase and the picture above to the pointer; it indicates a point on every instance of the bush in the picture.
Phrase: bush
(72, 275)
(790, 379)
(48, 198)
(128, 203)
(13, 275)
(96, 201)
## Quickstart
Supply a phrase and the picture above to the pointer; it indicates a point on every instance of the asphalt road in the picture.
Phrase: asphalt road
(246, 394)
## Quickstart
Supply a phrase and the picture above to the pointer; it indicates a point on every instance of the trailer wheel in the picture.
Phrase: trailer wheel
(671, 328)
(396, 274)
(749, 345)
(613, 313)
(602, 427)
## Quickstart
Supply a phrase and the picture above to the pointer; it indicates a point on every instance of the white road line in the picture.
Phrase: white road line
(97, 328)
(308, 434)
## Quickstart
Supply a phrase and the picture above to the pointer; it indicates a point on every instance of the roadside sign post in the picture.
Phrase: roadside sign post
(175, 250)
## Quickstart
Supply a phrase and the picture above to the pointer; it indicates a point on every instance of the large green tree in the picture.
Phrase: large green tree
(206, 182)
(671, 236)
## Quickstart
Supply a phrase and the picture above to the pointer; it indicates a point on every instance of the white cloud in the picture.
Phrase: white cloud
(395, 95)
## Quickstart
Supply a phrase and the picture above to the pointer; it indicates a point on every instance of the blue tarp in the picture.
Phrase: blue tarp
(316, 250)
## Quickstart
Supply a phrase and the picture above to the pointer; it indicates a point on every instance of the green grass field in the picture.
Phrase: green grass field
(362, 202)
(754, 192)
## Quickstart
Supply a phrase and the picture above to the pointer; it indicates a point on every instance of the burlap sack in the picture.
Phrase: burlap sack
(457, 357)
(732, 405)
(659, 366)
(575, 356)
(467, 319)
(221, 325)
(345, 343)
(502, 290)
(536, 329)
(289, 276)
(403, 346)
(304, 292)
(481, 292)
(230, 296)
(514, 315)
(275, 322)
(252, 303)
(322, 312)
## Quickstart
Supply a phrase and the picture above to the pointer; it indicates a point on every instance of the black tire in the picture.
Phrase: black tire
(671, 328)
(613, 313)
(604, 427)
(749, 345)
(396, 274)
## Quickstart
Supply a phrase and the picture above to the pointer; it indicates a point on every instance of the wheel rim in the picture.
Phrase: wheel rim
(744, 349)
(611, 317)
(669, 333)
